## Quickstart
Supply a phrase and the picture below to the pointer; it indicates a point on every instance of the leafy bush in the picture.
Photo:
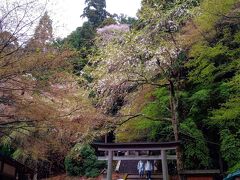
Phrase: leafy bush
(82, 161)
(6, 150)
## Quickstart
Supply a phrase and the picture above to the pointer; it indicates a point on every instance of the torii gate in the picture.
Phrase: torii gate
(163, 147)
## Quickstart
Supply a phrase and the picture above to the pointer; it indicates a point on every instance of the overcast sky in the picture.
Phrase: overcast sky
(66, 13)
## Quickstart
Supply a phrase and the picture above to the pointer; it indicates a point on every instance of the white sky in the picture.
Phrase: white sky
(66, 13)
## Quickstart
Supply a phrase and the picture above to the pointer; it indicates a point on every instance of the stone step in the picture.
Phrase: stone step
(136, 176)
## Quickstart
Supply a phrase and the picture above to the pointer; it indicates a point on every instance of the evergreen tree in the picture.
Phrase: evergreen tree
(43, 33)
(82, 40)
(82, 37)
(95, 11)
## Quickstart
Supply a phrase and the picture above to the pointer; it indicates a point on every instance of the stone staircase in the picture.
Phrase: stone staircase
(128, 166)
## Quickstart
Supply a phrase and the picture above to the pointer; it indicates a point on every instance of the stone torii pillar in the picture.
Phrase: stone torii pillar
(109, 167)
(164, 164)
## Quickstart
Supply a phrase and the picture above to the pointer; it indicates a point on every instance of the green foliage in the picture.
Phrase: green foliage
(227, 118)
(82, 37)
(203, 66)
(229, 113)
(107, 22)
(168, 4)
(19, 154)
(136, 130)
(237, 37)
(95, 11)
(212, 11)
(152, 126)
(234, 168)
(159, 107)
(6, 150)
(124, 19)
(195, 150)
(200, 97)
(198, 103)
(214, 80)
(79, 63)
(230, 148)
(144, 130)
(82, 41)
(82, 161)
(154, 12)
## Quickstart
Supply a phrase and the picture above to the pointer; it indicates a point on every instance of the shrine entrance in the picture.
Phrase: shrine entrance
(162, 150)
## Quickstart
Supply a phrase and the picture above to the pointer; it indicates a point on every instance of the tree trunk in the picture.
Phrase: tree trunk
(175, 123)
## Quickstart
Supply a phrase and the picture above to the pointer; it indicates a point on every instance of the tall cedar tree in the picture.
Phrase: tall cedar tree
(43, 33)
(95, 11)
